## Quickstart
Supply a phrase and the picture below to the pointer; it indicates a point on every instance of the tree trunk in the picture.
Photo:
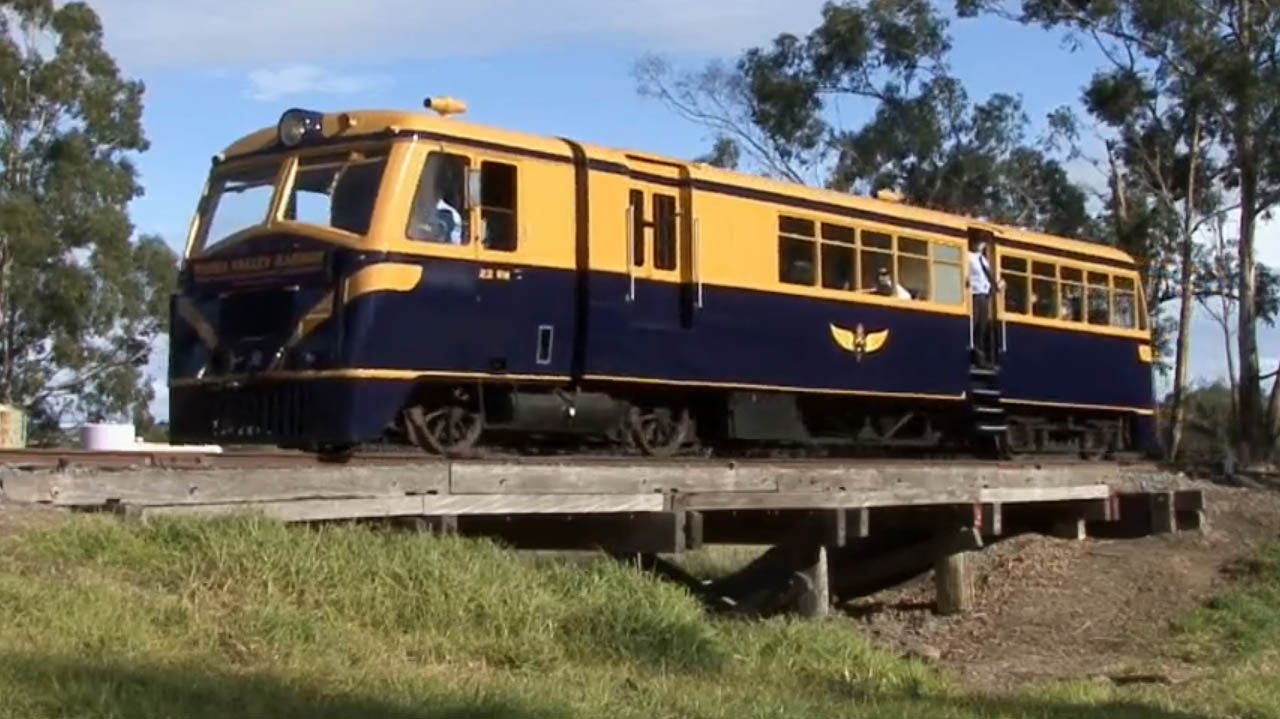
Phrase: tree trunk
(1273, 410)
(1230, 354)
(1186, 299)
(6, 333)
(1253, 445)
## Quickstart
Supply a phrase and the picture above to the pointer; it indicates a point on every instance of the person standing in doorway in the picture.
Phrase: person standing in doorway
(981, 283)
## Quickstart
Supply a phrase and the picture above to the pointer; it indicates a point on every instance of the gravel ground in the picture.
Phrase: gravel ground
(1057, 609)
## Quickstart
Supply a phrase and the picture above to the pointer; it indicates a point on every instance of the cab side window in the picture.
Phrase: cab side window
(498, 205)
(439, 213)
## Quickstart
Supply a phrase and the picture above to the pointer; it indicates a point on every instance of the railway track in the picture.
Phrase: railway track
(59, 458)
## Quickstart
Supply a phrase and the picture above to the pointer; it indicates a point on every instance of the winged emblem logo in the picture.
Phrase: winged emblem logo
(858, 340)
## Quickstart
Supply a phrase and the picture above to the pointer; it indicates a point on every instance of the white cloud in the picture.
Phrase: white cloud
(267, 85)
(150, 34)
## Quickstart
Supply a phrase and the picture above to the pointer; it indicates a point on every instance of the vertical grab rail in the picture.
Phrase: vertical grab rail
(631, 249)
(1004, 327)
(697, 257)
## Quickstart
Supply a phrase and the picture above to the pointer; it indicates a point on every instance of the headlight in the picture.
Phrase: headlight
(297, 125)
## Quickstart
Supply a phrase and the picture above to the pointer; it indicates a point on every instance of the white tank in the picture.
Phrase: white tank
(108, 437)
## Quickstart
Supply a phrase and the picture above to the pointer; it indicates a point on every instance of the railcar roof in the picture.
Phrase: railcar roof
(369, 122)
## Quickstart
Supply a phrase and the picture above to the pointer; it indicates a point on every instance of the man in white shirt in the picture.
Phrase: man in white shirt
(980, 285)
(450, 220)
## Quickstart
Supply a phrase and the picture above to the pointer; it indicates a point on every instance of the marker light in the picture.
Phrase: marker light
(445, 106)
(297, 125)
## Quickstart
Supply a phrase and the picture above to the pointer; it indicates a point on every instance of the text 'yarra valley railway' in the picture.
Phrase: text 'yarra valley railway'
(376, 277)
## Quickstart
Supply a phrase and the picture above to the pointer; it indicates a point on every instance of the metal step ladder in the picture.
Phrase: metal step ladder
(985, 408)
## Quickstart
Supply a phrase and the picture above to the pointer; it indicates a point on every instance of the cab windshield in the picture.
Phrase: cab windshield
(337, 189)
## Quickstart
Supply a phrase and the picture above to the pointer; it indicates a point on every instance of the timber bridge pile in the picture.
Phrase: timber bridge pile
(836, 529)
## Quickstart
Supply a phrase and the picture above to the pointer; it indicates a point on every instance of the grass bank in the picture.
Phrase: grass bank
(248, 618)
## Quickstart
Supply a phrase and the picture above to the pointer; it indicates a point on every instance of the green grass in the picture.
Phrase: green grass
(248, 618)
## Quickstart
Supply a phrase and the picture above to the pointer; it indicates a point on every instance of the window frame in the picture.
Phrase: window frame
(1086, 270)
(639, 225)
(468, 221)
(784, 236)
(666, 230)
(512, 212)
(840, 238)
(286, 190)
(825, 243)
(207, 208)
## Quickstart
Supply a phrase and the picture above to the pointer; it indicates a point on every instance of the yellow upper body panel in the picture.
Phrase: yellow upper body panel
(358, 123)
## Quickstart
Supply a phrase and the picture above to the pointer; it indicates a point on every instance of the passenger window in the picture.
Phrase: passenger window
(1013, 270)
(1044, 290)
(875, 261)
(438, 210)
(1072, 307)
(498, 205)
(796, 251)
(636, 200)
(948, 277)
(913, 266)
(839, 258)
(1099, 298)
(664, 232)
(1126, 304)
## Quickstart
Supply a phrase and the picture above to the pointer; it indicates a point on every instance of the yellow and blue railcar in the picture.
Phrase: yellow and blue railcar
(368, 276)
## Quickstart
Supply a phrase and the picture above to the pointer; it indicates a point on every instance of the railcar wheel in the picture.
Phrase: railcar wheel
(660, 432)
(449, 431)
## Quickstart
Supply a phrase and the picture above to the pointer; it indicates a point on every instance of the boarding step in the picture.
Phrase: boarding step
(984, 394)
(992, 428)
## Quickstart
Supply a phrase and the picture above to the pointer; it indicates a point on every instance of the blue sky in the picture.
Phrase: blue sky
(560, 67)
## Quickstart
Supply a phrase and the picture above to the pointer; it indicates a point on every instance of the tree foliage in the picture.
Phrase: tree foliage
(80, 303)
(1221, 57)
(923, 137)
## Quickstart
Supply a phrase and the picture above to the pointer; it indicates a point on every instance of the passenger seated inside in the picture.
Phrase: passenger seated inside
(1072, 309)
(885, 285)
(798, 271)
(438, 208)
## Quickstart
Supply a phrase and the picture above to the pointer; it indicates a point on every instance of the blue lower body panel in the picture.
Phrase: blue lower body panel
(771, 341)
(1056, 366)
(284, 411)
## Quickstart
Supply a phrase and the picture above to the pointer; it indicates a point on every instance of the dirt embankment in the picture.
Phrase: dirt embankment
(1051, 608)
